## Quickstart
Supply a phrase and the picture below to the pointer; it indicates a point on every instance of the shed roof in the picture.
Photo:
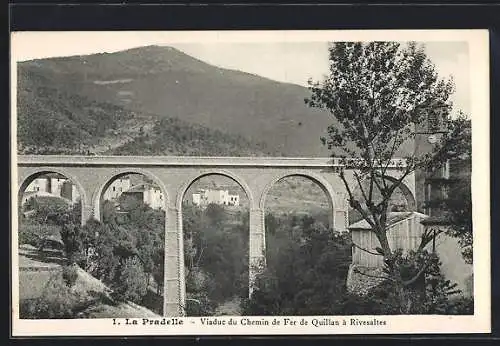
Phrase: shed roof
(392, 218)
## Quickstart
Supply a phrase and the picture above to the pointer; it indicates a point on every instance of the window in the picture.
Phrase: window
(114, 188)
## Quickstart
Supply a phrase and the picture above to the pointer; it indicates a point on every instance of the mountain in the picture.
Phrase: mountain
(53, 121)
(95, 96)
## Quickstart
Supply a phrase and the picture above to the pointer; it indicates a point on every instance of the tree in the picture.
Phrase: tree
(305, 275)
(380, 92)
(71, 234)
(456, 205)
(132, 281)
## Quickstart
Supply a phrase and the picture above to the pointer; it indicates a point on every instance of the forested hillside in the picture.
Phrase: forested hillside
(174, 137)
(97, 103)
(53, 121)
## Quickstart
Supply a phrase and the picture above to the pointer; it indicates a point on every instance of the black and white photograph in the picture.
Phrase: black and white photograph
(291, 181)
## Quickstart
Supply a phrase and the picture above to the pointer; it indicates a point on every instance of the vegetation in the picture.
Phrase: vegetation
(33, 232)
(171, 136)
(216, 257)
(50, 119)
(57, 301)
(44, 221)
(381, 93)
(88, 104)
(378, 92)
(304, 252)
(126, 254)
(455, 206)
(70, 275)
(133, 281)
(315, 259)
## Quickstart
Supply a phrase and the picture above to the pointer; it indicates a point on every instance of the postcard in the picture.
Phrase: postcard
(250, 182)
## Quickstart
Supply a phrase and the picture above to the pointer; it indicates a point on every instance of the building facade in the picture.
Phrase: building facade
(149, 194)
(204, 197)
(40, 184)
(153, 197)
(116, 188)
(52, 185)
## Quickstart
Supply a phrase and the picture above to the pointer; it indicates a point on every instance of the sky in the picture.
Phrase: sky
(275, 55)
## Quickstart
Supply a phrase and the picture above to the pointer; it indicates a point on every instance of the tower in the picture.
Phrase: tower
(429, 182)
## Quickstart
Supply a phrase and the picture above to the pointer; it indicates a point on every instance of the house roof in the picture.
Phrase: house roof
(53, 175)
(435, 221)
(392, 218)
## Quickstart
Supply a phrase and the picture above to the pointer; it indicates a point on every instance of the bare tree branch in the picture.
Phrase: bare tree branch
(415, 278)
(356, 206)
(200, 256)
(365, 250)
(427, 237)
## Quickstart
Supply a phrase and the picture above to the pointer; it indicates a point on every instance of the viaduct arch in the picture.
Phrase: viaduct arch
(97, 194)
(26, 177)
(174, 175)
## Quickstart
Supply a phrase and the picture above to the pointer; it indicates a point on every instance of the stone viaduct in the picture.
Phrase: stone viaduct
(256, 175)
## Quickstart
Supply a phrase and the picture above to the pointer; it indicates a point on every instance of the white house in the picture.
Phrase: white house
(222, 197)
(149, 194)
(56, 184)
(116, 188)
(52, 185)
(197, 198)
(39, 184)
(153, 197)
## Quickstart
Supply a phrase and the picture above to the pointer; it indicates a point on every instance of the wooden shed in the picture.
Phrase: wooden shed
(404, 231)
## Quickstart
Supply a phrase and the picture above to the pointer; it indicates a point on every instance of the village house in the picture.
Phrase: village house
(204, 197)
(52, 185)
(116, 188)
(149, 194)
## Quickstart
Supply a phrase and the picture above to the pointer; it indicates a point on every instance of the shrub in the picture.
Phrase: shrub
(432, 293)
(353, 304)
(33, 232)
(305, 273)
(462, 306)
(27, 236)
(199, 304)
(57, 301)
(132, 282)
(71, 237)
(70, 274)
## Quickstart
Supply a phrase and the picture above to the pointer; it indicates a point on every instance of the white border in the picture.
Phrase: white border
(478, 323)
